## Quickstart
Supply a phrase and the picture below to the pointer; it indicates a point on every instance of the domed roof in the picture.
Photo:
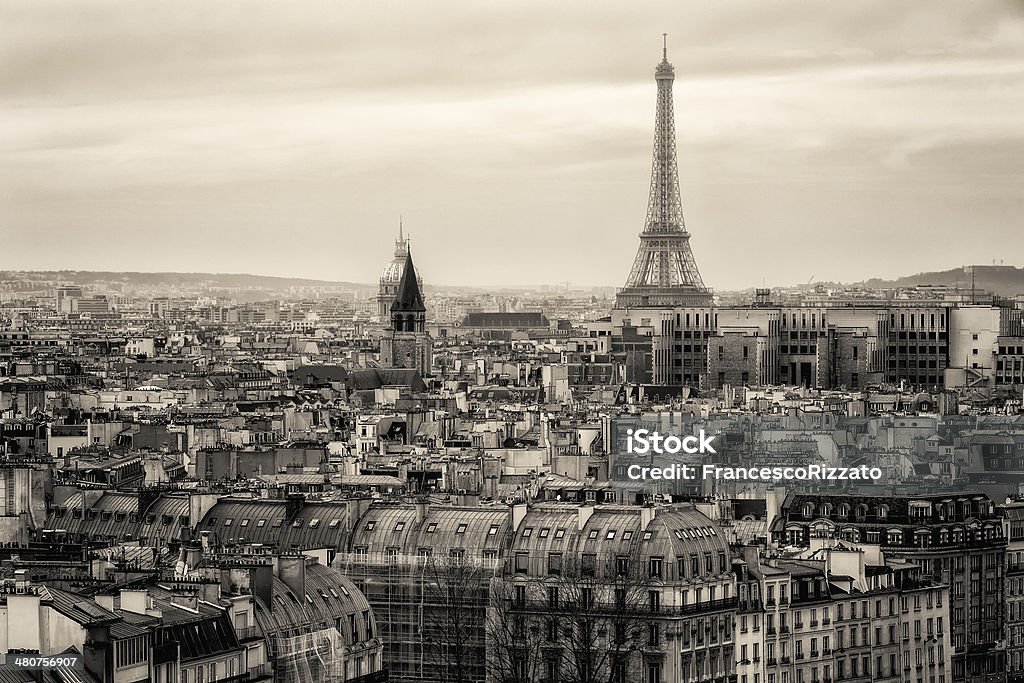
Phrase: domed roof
(392, 273)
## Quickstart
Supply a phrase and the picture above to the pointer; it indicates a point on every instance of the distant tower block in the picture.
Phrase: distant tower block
(664, 273)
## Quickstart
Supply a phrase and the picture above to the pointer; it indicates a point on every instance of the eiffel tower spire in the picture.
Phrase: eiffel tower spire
(664, 273)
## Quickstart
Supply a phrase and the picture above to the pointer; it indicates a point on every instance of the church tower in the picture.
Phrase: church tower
(391, 276)
(406, 343)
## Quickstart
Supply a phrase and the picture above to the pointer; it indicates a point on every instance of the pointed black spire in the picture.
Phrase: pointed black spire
(408, 298)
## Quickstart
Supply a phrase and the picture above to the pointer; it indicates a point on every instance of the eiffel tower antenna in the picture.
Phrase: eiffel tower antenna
(664, 273)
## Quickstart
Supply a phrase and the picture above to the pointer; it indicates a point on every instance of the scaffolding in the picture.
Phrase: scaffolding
(315, 657)
(408, 593)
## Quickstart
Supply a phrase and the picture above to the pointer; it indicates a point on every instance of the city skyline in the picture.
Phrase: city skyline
(193, 142)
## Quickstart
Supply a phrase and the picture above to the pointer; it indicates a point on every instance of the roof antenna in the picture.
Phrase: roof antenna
(664, 46)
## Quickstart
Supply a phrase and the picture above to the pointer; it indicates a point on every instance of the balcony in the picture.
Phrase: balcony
(814, 653)
(247, 633)
(258, 672)
(252, 674)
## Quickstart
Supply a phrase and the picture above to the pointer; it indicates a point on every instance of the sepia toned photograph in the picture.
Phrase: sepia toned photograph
(511, 342)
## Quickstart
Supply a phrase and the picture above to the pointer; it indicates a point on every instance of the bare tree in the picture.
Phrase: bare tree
(515, 639)
(589, 622)
(454, 618)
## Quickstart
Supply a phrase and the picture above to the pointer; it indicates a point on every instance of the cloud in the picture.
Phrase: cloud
(514, 136)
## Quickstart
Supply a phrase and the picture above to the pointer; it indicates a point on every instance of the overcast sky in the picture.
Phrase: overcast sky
(833, 140)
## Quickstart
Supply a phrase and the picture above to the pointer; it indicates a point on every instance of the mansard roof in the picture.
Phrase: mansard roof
(611, 531)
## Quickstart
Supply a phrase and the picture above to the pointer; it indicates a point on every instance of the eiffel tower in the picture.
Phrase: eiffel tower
(664, 273)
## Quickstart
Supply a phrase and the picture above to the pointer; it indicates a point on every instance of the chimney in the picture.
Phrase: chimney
(134, 601)
(193, 554)
(21, 582)
(105, 601)
(518, 515)
(261, 583)
(646, 516)
(295, 503)
(422, 507)
(291, 569)
(583, 514)
(187, 599)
